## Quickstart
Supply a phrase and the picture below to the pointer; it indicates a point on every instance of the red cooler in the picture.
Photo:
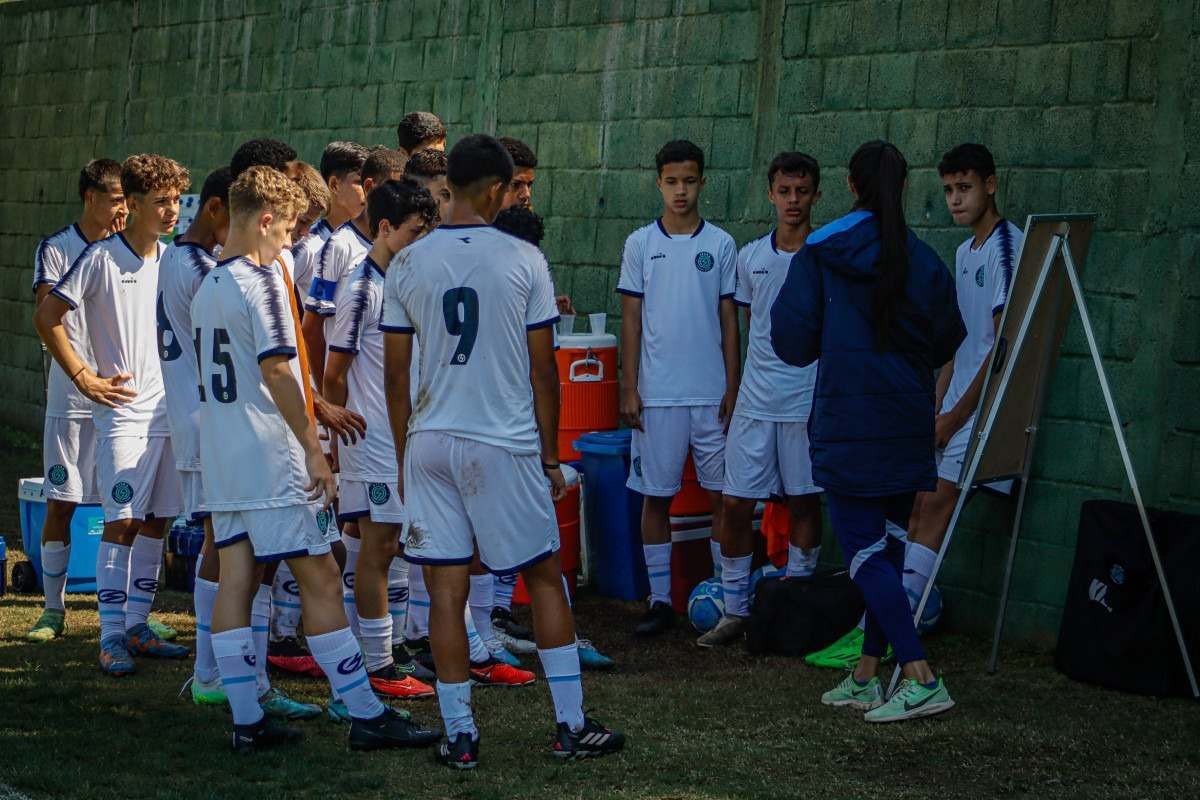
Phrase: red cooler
(590, 399)
(692, 499)
(567, 512)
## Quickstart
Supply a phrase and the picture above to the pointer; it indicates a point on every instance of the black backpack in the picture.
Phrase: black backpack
(798, 616)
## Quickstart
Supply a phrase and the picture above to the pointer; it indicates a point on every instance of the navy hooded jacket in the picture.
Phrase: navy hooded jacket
(871, 427)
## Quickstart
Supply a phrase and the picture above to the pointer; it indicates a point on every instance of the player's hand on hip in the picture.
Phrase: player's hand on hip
(558, 484)
(631, 409)
(342, 421)
(106, 391)
(321, 487)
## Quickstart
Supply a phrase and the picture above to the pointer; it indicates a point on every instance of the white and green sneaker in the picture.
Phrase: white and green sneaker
(208, 693)
(161, 629)
(863, 696)
(913, 700)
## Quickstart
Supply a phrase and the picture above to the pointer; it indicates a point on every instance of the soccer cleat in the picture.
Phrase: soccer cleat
(278, 705)
(842, 654)
(142, 641)
(115, 658)
(913, 700)
(161, 629)
(728, 630)
(591, 658)
(409, 666)
(420, 652)
(337, 712)
(261, 735)
(512, 634)
(288, 655)
(659, 618)
(392, 728)
(501, 653)
(207, 693)
(50, 625)
(497, 673)
(863, 696)
(390, 682)
(461, 752)
(593, 739)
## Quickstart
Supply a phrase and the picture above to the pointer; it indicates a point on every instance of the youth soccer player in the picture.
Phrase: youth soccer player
(399, 212)
(113, 284)
(420, 130)
(481, 307)
(767, 450)
(266, 481)
(680, 360)
(310, 225)
(520, 188)
(428, 168)
(69, 435)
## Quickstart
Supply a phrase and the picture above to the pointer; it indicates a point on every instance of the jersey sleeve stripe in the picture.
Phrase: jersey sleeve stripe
(546, 323)
(728, 295)
(358, 309)
(630, 292)
(64, 298)
(1006, 254)
(290, 352)
(39, 267)
(276, 314)
(740, 303)
(396, 328)
(333, 348)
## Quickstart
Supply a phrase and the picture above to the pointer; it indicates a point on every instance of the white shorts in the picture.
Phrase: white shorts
(951, 459)
(193, 495)
(137, 478)
(462, 493)
(69, 460)
(377, 500)
(765, 458)
(659, 451)
(277, 533)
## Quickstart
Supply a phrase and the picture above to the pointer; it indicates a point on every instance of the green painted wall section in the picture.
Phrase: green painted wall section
(1088, 105)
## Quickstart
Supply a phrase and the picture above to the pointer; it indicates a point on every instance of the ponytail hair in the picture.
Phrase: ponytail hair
(878, 171)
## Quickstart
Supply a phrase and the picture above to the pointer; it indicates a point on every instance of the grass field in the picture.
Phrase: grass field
(701, 725)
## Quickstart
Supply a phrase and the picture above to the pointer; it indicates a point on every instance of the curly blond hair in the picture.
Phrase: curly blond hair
(314, 187)
(146, 172)
(266, 189)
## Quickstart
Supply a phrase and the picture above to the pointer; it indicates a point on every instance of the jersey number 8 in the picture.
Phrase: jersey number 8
(463, 324)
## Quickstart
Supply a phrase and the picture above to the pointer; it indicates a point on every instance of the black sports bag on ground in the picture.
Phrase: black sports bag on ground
(797, 616)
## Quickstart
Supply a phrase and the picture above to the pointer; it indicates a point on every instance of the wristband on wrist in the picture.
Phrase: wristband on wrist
(547, 467)
(77, 372)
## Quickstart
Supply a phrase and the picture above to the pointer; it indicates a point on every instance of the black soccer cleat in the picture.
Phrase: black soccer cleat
(659, 618)
(263, 734)
(591, 741)
(390, 729)
(410, 666)
(502, 621)
(461, 752)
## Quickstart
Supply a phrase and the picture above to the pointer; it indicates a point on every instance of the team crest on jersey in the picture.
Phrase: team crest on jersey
(122, 492)
(979, 274)
(379, 493)
(57, 475)
(637, 466)
(704, 261)
(323, 520)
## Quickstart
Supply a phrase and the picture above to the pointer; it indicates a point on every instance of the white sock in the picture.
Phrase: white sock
(145, 560)
(342, 662)
(503, 590)
(416, 624)
(455, 701)
(714, 550)
(397, 587)
(285, 603)
(658, 570)
(203, 598)
(348, 575)
(55, 556)
(918, 566)
(235, 659)
(735, 583)
(260, 628)
(376, 637)
(112, 584)
(479, 600)
(802, 561)
(478, 651)
(561, 665)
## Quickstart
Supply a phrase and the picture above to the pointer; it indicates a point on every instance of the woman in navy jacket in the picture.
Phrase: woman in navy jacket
(879, 309)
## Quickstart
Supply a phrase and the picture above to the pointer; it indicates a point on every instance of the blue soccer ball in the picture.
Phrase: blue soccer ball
(932, 613)
(706, 605)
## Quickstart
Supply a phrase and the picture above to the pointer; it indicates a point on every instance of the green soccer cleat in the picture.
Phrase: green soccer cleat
(913, 700)
(863, 696)
(337, 712)
(50, 625)
(211, 693)
(278, 705)
(842, 654)
(162, 630)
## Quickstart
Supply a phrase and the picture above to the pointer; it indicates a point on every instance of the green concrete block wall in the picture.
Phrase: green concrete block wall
(1087, 104)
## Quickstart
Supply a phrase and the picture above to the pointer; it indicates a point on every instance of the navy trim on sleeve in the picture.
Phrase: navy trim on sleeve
(740, 303)
(998, 309)
(290, 352)
(630, 292)
(396, 328)
(64, 298)
(727, 296)
(546, 323)
(333, 348)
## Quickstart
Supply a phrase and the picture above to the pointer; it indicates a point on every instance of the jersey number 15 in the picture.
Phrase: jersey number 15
(222, 380)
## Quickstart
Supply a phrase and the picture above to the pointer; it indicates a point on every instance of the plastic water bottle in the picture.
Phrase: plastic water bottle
(3, 566)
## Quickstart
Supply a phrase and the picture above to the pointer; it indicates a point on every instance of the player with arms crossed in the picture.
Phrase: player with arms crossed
(69, 437)
(480, 305)
(266, 481)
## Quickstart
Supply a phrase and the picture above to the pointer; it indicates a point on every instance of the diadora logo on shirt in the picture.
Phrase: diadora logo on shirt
(657, 256)
(465, 239)
(704, 261)
(760, 271)
(129, 279)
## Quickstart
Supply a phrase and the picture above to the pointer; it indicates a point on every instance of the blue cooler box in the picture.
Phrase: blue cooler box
(612, 514)
(86, 527)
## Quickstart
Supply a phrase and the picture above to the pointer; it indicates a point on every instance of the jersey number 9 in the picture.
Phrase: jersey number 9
(461, 309)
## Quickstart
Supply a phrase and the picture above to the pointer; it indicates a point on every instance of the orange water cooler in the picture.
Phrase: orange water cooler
(567, 511)
(590, 399)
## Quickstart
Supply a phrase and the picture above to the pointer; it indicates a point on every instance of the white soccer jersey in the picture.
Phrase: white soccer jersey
(345, 248)
(55, 255)
(356, 331)
(982, 276)
(116, 290)
(249, 456)
(304, 255)
(681, 280)
(183, 267)
(470, 293)
(771, 389)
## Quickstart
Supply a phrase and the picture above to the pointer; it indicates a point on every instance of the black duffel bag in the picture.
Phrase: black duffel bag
(798, 616)
(1115, 628)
